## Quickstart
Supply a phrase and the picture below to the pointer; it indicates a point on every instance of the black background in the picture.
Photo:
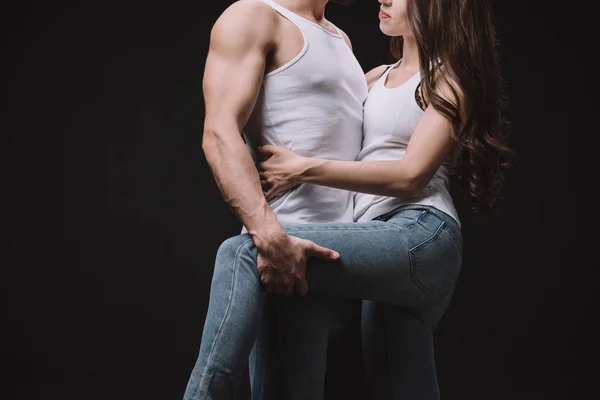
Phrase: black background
(113, 217)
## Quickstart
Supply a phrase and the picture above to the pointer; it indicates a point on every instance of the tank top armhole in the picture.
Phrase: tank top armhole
(383, 75)
(290, 17)
(339, 31)
(385, 70)
(419, 98)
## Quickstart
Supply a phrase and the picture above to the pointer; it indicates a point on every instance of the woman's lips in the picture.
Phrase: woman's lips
(383, 15)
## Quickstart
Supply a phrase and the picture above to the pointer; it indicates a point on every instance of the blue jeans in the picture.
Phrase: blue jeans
(404, 263)
(289, 357)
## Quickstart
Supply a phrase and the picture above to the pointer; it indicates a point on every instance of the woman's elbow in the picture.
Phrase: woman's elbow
(415, 187)
(410, 187)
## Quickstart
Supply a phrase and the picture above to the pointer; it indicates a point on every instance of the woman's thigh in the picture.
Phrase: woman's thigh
(412, 260)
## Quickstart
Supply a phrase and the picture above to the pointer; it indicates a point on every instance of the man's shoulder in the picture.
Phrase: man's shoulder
(248, 13)
(245, 22)
(345, 36)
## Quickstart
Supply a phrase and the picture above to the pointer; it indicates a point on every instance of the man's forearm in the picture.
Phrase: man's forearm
(239, 183)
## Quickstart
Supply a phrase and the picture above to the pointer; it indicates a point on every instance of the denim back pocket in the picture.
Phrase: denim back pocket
(436, 261)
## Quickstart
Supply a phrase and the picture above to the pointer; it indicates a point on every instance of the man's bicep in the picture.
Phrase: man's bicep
(235, 66)
(231, 85)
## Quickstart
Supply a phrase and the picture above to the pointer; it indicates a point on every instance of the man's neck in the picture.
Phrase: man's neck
(311, 9)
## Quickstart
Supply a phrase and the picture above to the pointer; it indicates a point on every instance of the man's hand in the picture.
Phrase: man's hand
(282, 263)
(279, 283)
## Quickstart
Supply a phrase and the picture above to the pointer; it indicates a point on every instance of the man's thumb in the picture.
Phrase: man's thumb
(323, 252)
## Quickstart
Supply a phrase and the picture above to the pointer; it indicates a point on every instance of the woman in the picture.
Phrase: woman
(434, 113)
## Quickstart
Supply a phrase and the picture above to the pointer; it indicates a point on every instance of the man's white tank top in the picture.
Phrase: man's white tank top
(312, 105)
(391, 116)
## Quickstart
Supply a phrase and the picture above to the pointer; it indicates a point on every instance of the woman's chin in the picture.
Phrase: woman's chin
(383, 29)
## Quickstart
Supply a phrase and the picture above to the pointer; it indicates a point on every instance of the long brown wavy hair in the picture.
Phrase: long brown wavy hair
(458, 38)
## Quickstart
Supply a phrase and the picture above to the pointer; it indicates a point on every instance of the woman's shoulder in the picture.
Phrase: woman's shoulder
(373, 75)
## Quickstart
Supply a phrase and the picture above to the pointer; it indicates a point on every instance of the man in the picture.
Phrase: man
(281, 73)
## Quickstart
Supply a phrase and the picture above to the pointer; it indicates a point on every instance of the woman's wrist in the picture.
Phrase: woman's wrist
(309, 171)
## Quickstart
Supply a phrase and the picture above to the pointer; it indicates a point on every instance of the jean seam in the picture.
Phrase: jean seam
(413, 266)
(406, 225)
(451, 236)
(423, 213)
(434, 232)
(416, 207)
(411, 223)
(210, 354)
(387, 342)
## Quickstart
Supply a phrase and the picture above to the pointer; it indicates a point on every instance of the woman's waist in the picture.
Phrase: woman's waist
(368, 207)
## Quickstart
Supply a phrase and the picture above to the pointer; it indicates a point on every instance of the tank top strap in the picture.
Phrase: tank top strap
(304, 24)
(390, 68)
(382, 78)
(284, 11)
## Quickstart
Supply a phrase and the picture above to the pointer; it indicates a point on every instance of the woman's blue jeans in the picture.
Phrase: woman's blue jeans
(404, 264)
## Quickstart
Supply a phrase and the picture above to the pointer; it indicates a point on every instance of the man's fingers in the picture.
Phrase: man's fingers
(270, 194)
(264, 185)
(273, 287)
(323, 252)
(301, 287)
(262, 268)
(267, 275)
(264, 152)
(272, 281)
(266, 149)
(289, 282)
(278, 282)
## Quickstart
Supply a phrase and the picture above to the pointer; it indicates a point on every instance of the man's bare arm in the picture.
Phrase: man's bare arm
(235, 67)
(240, 42)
